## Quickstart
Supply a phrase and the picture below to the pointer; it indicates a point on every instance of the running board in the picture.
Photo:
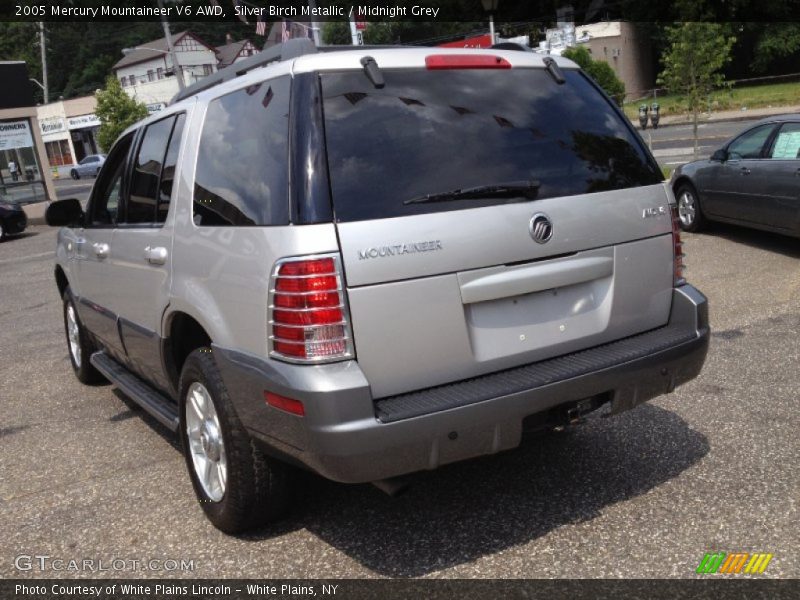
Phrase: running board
(157, 404)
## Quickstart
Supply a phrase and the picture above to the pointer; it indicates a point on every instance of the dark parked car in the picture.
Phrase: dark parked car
(12, 219)
(753, 180)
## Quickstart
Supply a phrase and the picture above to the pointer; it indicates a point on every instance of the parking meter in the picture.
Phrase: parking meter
(643, 116)
(654, 114)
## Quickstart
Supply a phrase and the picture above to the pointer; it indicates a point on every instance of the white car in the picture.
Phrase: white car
(88, 167)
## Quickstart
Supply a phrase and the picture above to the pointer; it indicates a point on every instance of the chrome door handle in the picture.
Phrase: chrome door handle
(155, 256)
(100, 250)
(744, 171)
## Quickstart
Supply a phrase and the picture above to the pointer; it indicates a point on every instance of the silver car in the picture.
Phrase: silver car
(372, 262)
(88, 167)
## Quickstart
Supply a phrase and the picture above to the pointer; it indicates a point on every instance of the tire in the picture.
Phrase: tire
(690, 214)
(79, 344)
(74, 174)
(242, 488)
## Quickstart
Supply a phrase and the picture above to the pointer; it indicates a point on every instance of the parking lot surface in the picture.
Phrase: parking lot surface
(711, 467)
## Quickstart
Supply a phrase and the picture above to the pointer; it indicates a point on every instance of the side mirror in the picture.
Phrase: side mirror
(64, 213)
(720, 155)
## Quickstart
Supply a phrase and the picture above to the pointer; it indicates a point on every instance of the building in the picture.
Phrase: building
(69, 131)
(623, 46)
(21, 144)
(147, 74)
(233, 52)
(619, 43)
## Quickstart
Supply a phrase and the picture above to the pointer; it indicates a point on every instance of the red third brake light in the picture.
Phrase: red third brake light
(465, 61)
(308, 315)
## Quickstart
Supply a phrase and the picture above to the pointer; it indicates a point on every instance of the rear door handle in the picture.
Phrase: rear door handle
(155, 255)
(100, 250)
(744, 171)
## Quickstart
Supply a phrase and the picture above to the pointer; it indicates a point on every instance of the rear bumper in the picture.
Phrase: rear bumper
(348, 437)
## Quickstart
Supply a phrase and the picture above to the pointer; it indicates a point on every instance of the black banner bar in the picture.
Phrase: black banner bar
(541, 11)
(394, 589)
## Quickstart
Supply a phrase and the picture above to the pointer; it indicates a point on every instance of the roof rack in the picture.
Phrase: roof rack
(285, 51)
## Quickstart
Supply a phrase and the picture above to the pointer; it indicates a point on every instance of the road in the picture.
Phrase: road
(711, 467)
(70, 188)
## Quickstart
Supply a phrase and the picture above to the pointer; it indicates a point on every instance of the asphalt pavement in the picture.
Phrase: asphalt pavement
(711, 467)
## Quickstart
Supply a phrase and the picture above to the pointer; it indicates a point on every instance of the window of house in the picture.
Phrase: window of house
(207, 70)
(160, 72)
(150, 75)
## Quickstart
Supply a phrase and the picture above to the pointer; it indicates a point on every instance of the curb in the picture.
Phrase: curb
(35, 212)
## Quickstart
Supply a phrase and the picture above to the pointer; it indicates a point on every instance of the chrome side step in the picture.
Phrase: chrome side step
(154, 402)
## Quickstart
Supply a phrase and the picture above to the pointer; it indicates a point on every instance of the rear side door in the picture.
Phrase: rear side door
(781, 180)
(96, 277)
(490, 218)
(734, 188)
(143, 246)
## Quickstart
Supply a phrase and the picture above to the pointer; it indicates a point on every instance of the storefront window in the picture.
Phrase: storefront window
(20, 170)
(58, 153)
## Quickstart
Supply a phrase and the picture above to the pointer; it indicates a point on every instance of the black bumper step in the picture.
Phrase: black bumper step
(154, 402)
(528, 377)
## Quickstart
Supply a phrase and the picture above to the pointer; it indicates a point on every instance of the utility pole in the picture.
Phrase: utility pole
(312, 4)
(168, 35)
(44, 61)
(355, 35)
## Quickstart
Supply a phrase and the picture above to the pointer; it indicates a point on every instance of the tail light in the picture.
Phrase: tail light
(677, 249)
(308, 316)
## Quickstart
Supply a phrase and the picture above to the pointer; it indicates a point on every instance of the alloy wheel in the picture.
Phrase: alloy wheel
(205, 442)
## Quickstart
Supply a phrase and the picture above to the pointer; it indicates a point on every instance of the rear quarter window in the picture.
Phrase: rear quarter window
(242, 164)
(428, 132)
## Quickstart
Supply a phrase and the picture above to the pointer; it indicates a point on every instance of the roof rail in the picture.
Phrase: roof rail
(285, 51)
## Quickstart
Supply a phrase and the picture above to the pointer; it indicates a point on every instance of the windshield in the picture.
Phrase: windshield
(428, 133)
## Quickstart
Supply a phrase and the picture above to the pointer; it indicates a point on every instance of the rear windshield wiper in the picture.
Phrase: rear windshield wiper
(511, 189)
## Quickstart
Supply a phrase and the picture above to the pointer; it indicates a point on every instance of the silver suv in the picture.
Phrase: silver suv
(369, 262)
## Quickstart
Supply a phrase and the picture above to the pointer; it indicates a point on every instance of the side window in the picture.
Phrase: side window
(750, 144)
(107, 192)
(141, 205)
(168, 172)
(242, 164)
(787, 142)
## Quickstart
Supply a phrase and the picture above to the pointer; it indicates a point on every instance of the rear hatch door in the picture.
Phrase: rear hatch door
(490, 218)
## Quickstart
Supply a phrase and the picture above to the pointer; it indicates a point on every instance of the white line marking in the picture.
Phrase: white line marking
(21, 258)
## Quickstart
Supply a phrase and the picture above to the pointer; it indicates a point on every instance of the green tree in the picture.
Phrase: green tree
(117, 111)
(598, 70)
(693, 63)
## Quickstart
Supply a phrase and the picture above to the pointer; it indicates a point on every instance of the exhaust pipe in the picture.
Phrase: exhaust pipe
(393, 487)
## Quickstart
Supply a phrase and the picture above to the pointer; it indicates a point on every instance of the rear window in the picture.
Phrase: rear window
(431, 132)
